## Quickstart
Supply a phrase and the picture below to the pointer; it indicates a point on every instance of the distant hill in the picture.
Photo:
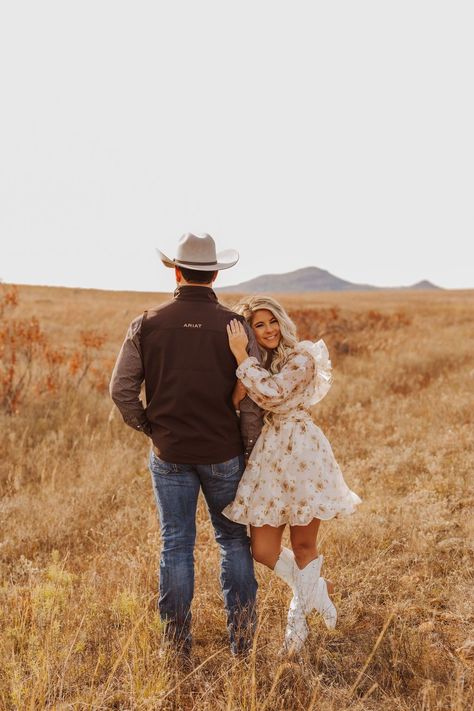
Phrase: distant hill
(309, 279)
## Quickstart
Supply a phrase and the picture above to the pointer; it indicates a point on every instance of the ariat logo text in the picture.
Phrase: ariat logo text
(192, 325)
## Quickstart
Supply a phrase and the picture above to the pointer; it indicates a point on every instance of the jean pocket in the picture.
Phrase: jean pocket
(228, 469)
(159, 466)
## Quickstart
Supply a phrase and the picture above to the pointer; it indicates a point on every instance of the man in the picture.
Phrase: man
(180, 350)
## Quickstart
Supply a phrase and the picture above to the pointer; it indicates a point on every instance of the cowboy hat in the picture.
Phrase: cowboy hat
(199, 252)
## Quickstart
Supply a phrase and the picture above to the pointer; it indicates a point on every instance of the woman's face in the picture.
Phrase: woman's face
(266, 329)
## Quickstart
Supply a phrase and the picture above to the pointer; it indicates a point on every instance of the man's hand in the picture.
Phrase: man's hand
(238, 395)
(237, 340)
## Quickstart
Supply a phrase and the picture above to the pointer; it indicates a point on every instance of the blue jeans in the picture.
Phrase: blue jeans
(176, 488)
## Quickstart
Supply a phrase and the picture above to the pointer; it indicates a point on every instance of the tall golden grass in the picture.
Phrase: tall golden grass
(80, 539)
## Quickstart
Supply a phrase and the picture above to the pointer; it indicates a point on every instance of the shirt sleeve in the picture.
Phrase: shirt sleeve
(251, 415)
(127, 378)
(271, 391)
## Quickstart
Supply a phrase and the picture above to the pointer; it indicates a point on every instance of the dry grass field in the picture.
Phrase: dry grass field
(80, 540)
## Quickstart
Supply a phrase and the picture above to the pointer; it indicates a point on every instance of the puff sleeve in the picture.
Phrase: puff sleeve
(277, 392)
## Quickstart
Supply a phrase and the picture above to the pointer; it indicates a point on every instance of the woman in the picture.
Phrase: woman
(291, 477)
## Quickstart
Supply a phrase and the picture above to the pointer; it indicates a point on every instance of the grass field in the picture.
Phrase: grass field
(80, 540)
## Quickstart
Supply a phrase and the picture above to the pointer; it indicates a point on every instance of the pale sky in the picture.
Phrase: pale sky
(306, 133)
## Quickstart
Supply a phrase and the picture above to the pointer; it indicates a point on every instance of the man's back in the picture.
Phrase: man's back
(189, 378)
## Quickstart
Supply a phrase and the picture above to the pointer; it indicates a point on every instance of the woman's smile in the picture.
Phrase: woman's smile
(272, 339)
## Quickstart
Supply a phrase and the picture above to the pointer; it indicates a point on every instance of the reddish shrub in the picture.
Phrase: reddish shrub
(29, 362)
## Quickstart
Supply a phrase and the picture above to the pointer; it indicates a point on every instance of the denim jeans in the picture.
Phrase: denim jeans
(176, 488)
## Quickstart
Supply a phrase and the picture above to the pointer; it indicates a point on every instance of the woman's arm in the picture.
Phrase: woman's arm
(251, 416)
(269, 390)
(238, 395)
(238, 340)
(272, 391)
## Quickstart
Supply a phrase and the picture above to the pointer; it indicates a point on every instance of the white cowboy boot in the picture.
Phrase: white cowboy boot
(297, 628)
(284, 567)
(313, 591)
(325, 606)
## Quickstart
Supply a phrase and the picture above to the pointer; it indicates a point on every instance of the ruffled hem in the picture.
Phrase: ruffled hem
(238, 515)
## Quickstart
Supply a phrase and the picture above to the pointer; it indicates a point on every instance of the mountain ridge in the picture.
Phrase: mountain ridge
(311, 279)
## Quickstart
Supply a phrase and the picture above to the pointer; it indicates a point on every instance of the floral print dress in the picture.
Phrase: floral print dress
(292, 475)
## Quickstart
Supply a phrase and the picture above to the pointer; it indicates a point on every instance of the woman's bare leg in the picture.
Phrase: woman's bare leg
(266, 544)
(303, 541)
(267, 549)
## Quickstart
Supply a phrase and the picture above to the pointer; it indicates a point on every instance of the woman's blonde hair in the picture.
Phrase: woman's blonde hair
(248, 306)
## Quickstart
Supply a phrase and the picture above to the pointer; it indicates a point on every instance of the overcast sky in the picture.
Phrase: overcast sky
(330, 134)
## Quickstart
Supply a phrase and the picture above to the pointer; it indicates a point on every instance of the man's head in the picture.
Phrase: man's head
(197, 261)
(194, 277)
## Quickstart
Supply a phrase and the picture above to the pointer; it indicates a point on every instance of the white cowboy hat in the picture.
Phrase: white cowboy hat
(199, 252)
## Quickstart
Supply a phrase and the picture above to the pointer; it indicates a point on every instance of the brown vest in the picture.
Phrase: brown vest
(189, 378)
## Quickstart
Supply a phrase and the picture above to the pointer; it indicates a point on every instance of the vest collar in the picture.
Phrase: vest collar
(195, 293)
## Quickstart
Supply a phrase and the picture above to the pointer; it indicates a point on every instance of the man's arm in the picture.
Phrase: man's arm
(127, 379)
(251, 416)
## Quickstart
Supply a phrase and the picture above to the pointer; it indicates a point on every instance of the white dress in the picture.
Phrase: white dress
(292, 475)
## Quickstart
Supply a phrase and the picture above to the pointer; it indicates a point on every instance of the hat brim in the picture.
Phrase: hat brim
(225, 260)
